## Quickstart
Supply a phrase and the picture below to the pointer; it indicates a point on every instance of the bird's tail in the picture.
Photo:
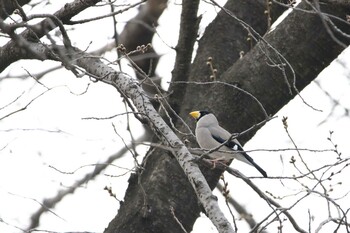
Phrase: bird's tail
(251, 161)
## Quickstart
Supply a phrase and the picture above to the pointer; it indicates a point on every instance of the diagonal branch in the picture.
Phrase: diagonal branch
(130, 88)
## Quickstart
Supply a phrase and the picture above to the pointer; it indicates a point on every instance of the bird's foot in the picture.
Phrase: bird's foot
(219, 161)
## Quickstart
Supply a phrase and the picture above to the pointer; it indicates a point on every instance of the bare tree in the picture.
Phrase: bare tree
(251, 69)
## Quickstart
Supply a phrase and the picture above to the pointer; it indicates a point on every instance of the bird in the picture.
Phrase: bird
(210, 135)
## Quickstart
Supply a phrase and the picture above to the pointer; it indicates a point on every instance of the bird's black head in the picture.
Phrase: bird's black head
(203, 113)
(199, 114)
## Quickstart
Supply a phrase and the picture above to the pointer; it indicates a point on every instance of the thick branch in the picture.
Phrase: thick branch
(12, 51)
(8, 6)
(140, 31)
(131, 89)
(266, 67)
(184, 49)
(169, 138)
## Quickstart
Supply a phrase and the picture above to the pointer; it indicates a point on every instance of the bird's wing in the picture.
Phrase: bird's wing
(234, 145)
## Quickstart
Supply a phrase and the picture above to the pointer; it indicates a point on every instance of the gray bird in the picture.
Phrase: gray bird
(210, 135)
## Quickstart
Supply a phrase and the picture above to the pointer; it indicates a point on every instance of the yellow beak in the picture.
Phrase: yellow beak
(195, 114)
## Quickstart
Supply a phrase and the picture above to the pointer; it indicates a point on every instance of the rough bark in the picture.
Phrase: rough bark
(223, 40)
(235, 109)
(171, 189)
(308, 48)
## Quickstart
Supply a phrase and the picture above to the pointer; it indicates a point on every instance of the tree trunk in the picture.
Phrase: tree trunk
(301, 39)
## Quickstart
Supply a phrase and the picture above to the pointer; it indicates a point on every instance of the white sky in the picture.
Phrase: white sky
(27, 154)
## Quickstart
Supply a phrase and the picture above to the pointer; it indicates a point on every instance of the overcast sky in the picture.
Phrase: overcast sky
(49, 145)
